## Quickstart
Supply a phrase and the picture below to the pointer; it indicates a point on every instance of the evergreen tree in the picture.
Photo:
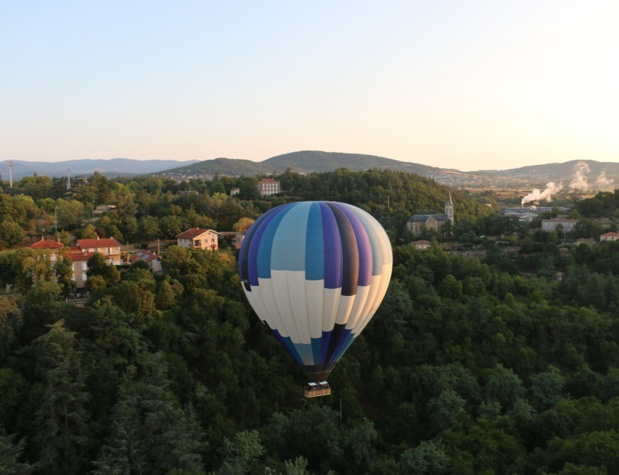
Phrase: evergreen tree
(61, 421)
(150, 432)
(10, 454)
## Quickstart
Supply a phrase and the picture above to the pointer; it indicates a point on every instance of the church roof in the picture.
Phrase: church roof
(419, 218)
(422, 218)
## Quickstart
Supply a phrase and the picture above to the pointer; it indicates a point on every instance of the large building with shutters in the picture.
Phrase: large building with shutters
(268, 187)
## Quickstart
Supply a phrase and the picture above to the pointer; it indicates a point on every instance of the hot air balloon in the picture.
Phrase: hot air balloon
(315, 272)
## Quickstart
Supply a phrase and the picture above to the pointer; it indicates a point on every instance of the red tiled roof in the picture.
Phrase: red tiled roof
(610, 234)
(193, 233)
(46, 244)
(78, 255)
(97, 243)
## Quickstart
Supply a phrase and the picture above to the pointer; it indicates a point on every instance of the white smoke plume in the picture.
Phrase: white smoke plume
(579, 180)
(603, 180)
(537, 195)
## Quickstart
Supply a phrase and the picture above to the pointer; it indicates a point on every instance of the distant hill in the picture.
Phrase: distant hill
(314, 161)
(112, 167)
(219, 166)
(581, 174)
(307, 161)
(590, 170)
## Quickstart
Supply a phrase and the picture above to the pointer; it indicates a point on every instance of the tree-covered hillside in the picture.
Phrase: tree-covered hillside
(149, 208)
(308, 161)
(503, 363)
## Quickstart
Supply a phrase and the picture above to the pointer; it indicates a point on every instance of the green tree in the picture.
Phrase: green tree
(97, 266)
(547, 387)
(70, 213)
(150, 432)
(243, 224)
(62, 419)
(503, 386)
(89, 232)
(11, 321)
(10, 454)
(165, 296)
(63, 269)
(241, 453)
(428, 458)
(11, 233)
(149, 228)
(444, 409)
(64, 237)
(171, 226)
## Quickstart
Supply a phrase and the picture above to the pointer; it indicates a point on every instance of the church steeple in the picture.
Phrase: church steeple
(449, 208)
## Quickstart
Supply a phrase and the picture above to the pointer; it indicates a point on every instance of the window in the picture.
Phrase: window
(197, 243)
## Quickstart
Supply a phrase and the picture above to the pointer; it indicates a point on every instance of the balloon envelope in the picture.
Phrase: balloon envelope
(315, 273)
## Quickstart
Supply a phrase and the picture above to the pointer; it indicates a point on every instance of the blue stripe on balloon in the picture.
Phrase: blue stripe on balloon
(263, 254)
(314, 252)
(288, 250)
(305, 353)
(286, 342)
(333, 249)
(244, 255)
(324, 348)
(316, 351)
(343, 342)
(363, 245)
(254, 245)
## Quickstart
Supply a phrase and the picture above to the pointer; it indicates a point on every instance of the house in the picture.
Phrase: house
(79, 257)
(197, 238)
(422, 244)
(523, 215)
(609, 237)
(238, 239)
(420, 223)
(48, 244)
(554, 224)
(109, 247)
(268, 187)
(235, 191)
(102, 209)
(153, 261)
(80, 254)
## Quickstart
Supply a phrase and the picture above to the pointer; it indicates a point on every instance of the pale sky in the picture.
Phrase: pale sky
(460, 84)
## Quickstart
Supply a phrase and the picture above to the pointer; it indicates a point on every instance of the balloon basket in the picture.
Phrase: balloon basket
(317, 389)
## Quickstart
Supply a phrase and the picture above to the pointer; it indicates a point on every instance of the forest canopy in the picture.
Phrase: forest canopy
(503, 362)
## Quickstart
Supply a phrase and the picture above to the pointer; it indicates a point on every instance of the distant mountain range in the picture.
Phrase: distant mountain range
(86, 167)
(584, 174)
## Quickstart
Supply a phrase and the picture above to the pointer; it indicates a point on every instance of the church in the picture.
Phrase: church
(432, 222)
